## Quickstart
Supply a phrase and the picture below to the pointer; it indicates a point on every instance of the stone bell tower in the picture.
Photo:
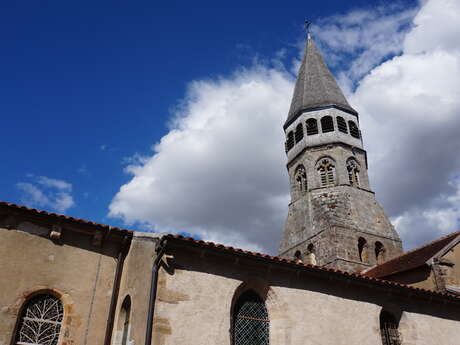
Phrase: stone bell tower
(334, 219)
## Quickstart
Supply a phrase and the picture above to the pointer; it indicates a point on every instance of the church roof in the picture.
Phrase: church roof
(237, 251)
(315, 87)
(412, 259)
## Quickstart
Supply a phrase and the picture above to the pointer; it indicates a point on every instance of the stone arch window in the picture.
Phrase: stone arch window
(311, 254)
(290, 141)
(312, 127)
(353, 172)
(250, 320)
(326, 170)
(379, 252)
(298, 133)
(124, 322)
(354, 131)
(301, 178)
(342, 125)
(40, 321)
(389, 329)
(363, 250)
(298, 255)
(327, 124)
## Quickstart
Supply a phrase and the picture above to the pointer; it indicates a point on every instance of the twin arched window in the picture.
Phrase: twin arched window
(250, 320)
(326, 170)
(300, 177)
(353, 172)
(40, 321)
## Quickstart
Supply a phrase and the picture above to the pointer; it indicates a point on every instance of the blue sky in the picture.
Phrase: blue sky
(87, 85)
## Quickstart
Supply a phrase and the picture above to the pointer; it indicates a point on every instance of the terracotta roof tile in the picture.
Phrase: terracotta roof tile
(412, 259)
(299, 264)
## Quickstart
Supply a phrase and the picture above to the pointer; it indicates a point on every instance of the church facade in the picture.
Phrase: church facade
(341, 276)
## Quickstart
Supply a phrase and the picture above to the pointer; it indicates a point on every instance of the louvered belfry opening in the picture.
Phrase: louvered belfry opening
(40, 322)
(250, 320)
(298, 133)
(327, 124)
(342, 125)
(290, 141)
(389, 329)
(354, 131)
(312, 126)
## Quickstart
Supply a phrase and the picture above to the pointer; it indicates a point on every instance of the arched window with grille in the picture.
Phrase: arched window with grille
(327, 124)
(312, 127)
(290, 141)
(250, 320)
(326, 170)
(301, 178)
(342, 125)
(40, 321)
(353, 172)
(354, 131)
(389, 329)
(298, 133)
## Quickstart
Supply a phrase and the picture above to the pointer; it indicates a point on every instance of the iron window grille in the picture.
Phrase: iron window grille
(389, 329)
(327, 124)
(40, 322)
(312, 127)
(251, 322)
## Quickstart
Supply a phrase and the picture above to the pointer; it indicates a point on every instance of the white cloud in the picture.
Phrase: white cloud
(47, 192)
(220, 171)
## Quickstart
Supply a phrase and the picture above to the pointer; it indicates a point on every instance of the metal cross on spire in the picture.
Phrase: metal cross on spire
(307, 27)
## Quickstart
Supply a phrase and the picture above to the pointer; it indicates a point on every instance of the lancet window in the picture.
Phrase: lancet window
(342, 125)
(40, 321)
(124, 323)
(301, 178)
(250, 320)
(327, 124)
(312, 126)
(353, 172)
(298, 133)
(354, 131)
(290, 141)
(326, 170)
(389, 329)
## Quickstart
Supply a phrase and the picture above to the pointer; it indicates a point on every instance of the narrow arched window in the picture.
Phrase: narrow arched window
(342, 125)
(389, 329)
(298, 133)
(301, 178)
(124, 323)
(40, 321)
(290, 141)
(327, 124)
(353, 172)
(362, 250)
(311, 254)
(326, 170)
(312, 126)
(298, 255)
(250, 320)
(354, 131)
(379, 252)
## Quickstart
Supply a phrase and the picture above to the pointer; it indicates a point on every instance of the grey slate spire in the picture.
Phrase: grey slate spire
(315, 86)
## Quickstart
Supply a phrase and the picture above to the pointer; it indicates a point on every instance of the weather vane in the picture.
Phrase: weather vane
(307, 27)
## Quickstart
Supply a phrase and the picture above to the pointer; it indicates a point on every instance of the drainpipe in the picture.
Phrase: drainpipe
(116, 288)
(160, 250)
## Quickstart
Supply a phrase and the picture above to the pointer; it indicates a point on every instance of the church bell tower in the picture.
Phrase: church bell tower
(334, 219)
